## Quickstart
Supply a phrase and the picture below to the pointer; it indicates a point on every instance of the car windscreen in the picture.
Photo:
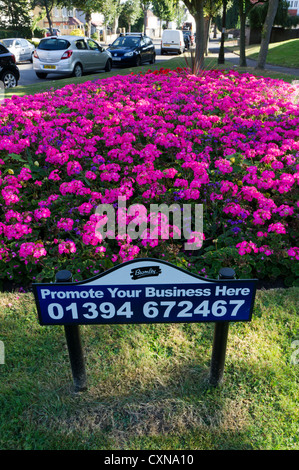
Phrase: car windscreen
(53, 44)
(126, 42)
(7, 42)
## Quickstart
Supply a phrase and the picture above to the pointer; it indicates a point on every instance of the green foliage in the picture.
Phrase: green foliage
(258, 14)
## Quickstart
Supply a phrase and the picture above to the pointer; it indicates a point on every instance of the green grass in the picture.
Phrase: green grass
(284, 54)
(147, 384)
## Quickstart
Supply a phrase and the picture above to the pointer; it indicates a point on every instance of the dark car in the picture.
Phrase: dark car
(132, 49)
(9, 72)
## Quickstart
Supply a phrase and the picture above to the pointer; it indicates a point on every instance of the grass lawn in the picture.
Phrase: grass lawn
(147, 384)
(285, 53)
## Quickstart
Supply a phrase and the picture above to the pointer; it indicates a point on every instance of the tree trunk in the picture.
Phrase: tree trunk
(200, 37)
(48, 16)
(266, 33)
(87, 23)
(221, 59)
(195, 7)
(243, 62)
(145, 21)
(208, 21)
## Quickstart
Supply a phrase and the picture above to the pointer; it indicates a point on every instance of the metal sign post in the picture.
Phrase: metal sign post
(145, 291)
(73, 340)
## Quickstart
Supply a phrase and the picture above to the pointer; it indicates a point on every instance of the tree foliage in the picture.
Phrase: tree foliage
(15, 14)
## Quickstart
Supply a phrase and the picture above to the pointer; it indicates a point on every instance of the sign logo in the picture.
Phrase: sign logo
(148, 271)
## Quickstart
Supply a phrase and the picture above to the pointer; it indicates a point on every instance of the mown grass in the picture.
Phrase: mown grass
(148, 384)
(284, 54)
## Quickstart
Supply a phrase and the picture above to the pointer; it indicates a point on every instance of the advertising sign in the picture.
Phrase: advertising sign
(145, 291)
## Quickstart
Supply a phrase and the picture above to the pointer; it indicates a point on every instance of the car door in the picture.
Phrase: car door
(143, 50)
(25, 50)
(96, 58)
(19, 54)
(82, 53)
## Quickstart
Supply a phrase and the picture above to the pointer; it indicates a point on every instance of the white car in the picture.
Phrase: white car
(20, 48)
(70, 55)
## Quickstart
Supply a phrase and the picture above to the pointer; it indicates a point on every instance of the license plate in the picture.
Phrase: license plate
(52, 67)
(116, 58)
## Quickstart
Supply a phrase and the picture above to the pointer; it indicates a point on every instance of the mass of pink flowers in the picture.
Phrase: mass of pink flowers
(226, 140)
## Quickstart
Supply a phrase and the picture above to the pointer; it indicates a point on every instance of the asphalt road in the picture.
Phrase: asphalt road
(28, 76)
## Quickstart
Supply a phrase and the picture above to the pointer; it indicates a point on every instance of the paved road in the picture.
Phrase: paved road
(28, 76)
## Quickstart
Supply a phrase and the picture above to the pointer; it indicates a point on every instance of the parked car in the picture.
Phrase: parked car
(20, 48)
(132, 49)
(172, 41)
(69, 55)
(9, 72)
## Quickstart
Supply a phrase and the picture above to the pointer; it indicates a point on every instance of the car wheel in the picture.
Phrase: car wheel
(108, 65)
(153, 59)
(9, 79)
(138, 61)
(78, 71)
(41, 74)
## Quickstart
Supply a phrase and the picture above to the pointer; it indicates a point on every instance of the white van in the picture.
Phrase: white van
(172, 41)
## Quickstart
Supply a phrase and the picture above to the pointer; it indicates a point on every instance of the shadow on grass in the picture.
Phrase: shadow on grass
(148, 385)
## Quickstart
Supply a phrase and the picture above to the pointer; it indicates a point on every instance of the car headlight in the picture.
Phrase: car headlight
(129, 54)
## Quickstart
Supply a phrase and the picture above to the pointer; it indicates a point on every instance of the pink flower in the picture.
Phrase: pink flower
(67, 247)
(277, 227)
(66, 224)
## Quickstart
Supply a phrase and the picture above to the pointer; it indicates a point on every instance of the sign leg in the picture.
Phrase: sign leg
(220, 340)
(73, 340)
(218, 353)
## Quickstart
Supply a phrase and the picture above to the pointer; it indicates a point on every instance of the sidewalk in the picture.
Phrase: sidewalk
(235, 59)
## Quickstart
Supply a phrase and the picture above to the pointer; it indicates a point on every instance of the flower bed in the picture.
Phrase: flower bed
(224, 140)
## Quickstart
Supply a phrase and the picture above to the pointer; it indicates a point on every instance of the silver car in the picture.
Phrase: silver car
(20, 48)
(70, 55)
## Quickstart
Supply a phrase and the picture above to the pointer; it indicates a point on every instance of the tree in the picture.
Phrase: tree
(130, 12)
(15, 14)
(196, 9)
(221, 49)
(145, 4)
(211, 10)
(164, 9)
(48, 6)
(245, 6)
(266, 33)
(87, 6)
